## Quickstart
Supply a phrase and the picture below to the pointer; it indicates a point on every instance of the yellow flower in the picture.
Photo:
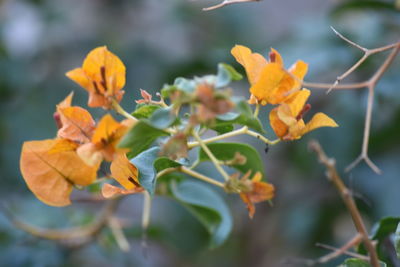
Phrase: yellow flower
(102, 75)
(270, 81)
(287, 119)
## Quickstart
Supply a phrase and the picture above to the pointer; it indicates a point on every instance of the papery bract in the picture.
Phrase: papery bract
(102, 75)
(51, 168)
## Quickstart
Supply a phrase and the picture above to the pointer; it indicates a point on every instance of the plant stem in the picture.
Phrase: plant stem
(117, 107)
(243, 130)
(201, 177)
(214, 160)
(146, 210)
(345, 193)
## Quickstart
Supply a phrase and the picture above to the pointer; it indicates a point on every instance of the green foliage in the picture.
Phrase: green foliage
(207, 206)
(162, 118)
(144, 162)
(242, 115)
(140, 137)
(226, 74)
(226, 152)
(144, 111)
(397, 241)
(354, 262)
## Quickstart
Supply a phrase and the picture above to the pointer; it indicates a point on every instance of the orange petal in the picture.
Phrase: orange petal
(299, 70)
(261, 192)
(50, 176)
(279, 127)
(253, 63)
(66, 102)
(80, 77)
(77, 124)
(109, 191)
(297, 101)
(106, 129)
(318, 120)
(124, 172)
(114, 69)
(63, 145)
(273, 84)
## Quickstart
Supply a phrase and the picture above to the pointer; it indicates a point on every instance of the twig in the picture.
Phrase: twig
(118, 233)
(75, 236)
(226, 3)
(367, 54)
(342, 250)
(201, 177)
(333, 176)
(367, 127)
(211, 156)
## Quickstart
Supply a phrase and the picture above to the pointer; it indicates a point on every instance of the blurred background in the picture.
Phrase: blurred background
(159, 40)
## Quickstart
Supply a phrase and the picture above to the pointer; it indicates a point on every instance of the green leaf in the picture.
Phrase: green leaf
(207, 206)
(144, 162)
(140, 137)
(144, 111)
(180, 84)
(163, 163)
(226, 151)
(242, 115)
(162, 118)
(380, 232)
(363, 4)
(354, 262)
(226, 74)
(397, 241)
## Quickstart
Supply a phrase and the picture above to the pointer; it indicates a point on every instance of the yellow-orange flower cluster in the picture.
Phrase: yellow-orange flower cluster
(272, 84)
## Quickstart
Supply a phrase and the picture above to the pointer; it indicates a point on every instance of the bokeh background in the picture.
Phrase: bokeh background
(159, 40)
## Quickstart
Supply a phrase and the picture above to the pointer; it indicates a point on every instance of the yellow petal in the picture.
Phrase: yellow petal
(50, 176)
(277, 57)
(253, 63)
(318, 120)
(299, 70)
(63, 145)
(114, 69)
(270, 80)
(106, 128)
(66, 102)
(124, 172)
(285, 114)
(297, 100)
(80, 77)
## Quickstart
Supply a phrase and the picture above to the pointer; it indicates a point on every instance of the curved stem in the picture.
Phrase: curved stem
(117, 107)
(211, 156)
(201, 177)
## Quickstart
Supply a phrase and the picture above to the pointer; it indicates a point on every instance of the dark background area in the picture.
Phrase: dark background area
(159, 40)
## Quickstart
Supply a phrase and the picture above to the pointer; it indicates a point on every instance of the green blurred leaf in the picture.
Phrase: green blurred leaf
(226, 151)
(165, 163)
(354, 262)
(140, 137)
(144, 111)
(207, 206)
(242, 115)
(162, 118)
(144, 162)
(363, 4)
(397, 241)
(226, 74)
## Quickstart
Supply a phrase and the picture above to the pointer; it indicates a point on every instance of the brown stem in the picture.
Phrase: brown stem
(333, 176)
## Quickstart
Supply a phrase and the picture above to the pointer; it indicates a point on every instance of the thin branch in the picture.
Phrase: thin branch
(120, 238)
(211, 156)
(201, 177)
(75, 236)
(367, 54)
(333, 176)
(342, 250)
(367, 127)
(226, 3)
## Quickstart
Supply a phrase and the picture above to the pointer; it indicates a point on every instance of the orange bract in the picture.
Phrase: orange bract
(260, 191)
(102, 75)
(104, 141)
(47, 169)
(124, 172)
(270, 81)
(287, 122)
